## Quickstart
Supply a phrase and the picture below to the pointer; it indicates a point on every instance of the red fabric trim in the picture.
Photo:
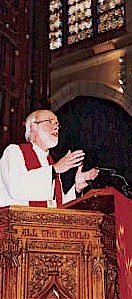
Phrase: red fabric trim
(30, 157)
(31, 162)
(35, 203)
(123, 221)
(58, 189)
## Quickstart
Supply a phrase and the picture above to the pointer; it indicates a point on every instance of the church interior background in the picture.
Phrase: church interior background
(74, 57)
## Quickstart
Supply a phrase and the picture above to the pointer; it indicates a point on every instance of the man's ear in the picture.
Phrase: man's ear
(34, 127)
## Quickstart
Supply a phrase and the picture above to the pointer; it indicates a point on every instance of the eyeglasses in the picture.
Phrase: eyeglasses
(49, 121)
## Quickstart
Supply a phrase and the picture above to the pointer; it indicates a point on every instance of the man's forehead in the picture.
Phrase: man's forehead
(41, 115)
(47, 113)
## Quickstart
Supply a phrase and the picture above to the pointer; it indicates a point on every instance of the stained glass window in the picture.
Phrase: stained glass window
(111, 15)
(75, 20)
(56, 24)
(79, 20)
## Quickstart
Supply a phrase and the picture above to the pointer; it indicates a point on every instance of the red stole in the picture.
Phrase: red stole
(32, 162)
(58, 189)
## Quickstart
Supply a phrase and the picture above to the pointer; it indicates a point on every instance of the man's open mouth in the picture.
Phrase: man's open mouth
(55, 134)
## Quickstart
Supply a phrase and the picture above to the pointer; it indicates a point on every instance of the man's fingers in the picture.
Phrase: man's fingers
(80, 168)
(69, 152)
(70, 160)
(74, 158)
(76, 153)
(75, 165)
(91, 174)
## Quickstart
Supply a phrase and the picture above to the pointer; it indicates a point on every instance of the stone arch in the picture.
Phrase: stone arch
(84, 88)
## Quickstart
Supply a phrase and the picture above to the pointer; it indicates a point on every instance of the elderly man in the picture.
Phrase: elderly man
(28, 174)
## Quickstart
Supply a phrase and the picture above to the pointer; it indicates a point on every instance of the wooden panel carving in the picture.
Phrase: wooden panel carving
(109, 248)
(15, 67)
(49, 253)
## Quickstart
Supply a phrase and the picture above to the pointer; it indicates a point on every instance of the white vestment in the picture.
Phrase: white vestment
(19, 185)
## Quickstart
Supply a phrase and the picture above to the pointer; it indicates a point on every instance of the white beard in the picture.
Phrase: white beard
(49, 140)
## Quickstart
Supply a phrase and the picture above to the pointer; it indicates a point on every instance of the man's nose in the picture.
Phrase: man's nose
(56, 124)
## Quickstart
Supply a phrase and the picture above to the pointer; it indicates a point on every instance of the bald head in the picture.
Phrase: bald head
(37, 115)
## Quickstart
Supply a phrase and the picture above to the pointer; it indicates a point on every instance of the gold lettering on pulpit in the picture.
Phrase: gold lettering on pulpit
(67, 234)
(28, 232)
(49, 233)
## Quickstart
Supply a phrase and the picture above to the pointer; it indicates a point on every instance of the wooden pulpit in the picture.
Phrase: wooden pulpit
(66, 253)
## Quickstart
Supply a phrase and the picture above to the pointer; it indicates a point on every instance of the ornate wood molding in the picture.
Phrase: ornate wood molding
(50, 252)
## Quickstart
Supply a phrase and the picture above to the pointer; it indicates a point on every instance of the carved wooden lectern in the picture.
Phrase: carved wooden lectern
(59, 253)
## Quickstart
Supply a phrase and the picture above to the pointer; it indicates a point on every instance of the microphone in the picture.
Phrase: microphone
(120, 176)
(111, 170)
(126, 189)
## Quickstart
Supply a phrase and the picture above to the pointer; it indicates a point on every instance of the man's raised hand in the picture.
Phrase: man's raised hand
(70, 160)
(82, 178)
